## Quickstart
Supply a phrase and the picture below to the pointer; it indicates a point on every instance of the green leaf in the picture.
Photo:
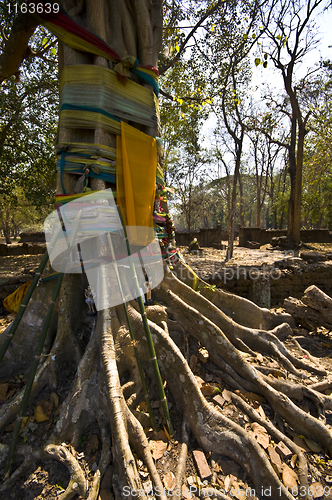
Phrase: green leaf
(53, 50)
(265, 64)
(257, 61)
(44, 42)
(265, 56)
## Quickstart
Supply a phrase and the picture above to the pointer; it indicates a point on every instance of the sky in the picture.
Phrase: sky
(272, 77)
(324, 50)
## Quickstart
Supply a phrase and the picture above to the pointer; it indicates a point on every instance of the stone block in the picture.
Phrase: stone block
(202, 465)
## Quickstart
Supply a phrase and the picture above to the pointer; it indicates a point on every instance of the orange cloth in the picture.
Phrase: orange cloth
(136, 167)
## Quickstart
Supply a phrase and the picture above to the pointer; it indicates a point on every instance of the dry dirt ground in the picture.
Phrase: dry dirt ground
(51, 478)
(212, 259)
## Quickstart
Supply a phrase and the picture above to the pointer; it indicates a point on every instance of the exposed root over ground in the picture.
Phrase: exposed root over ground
(236, 389)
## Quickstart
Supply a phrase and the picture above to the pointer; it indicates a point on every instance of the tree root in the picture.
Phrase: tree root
(140, 443)
(127, 472)
(96, 396)
(256, 340)
(77, 483)
(241, 310)
(181, 467)
(212, 430)
(103, 463)
(298, 392)
(278, 435)
(218, 346)
(31, 457)
(9, 411)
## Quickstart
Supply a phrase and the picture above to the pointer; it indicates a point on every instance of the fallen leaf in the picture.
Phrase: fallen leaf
(315, 447)
(54, 399)
(194, 480)
(275, 459)
(40, 415)
(254, 397)
(227, 483)
(142, 407)
(261, 412)
(278, 374)
(186, 493)
(289, 477)
(46, 405)
(208, 390)
(293, 461)
(261, 434)
(158, 449)
(169, 480)
(301, 443)
(220, 482)
(227, 395)
(238, 491)
(316, 490)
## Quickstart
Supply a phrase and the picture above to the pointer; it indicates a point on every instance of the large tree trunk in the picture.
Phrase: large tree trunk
(231, 216)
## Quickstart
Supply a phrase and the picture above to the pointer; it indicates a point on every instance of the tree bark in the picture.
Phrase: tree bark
(313, 310)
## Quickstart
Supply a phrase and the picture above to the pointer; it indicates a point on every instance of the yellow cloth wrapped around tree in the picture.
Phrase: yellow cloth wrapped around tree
(13, 301)
(136, 166)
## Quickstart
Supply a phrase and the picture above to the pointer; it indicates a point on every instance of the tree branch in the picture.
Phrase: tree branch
(16, 48)
(183, 47)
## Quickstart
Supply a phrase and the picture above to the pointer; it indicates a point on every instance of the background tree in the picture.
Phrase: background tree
(291, 34)
(227, 60)
(28, 123)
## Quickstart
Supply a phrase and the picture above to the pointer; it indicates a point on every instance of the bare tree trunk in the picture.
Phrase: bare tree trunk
(5, 215)
(242, 223)
(230, 246)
